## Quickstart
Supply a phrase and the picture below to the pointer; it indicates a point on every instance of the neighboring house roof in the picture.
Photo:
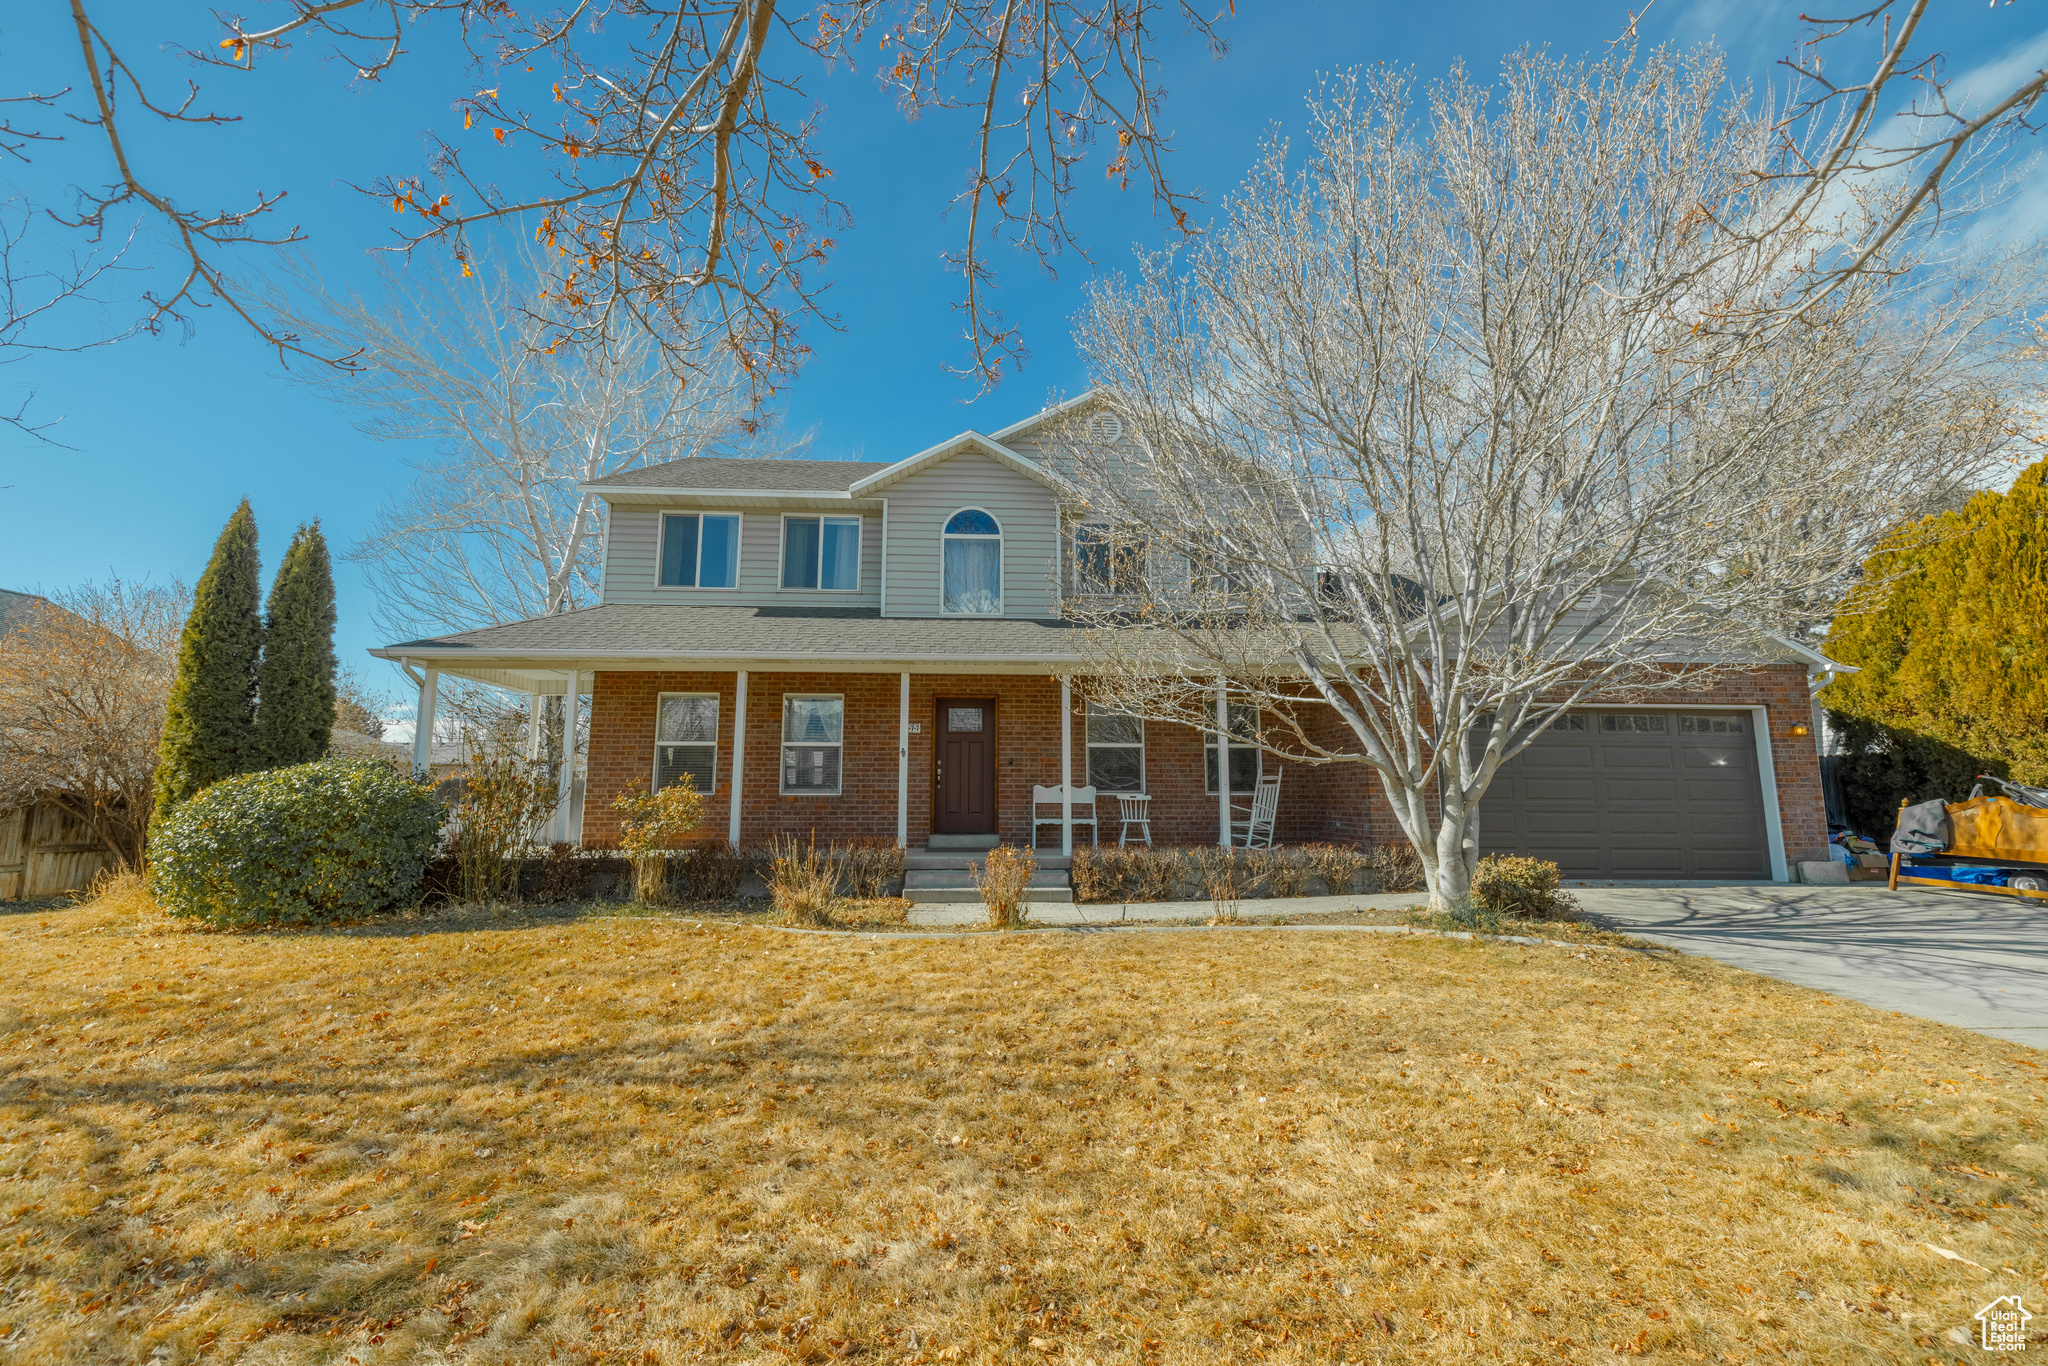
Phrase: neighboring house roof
(14, 605)
(705, 474)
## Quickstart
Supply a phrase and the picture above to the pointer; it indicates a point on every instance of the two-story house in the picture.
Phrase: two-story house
(877, 650)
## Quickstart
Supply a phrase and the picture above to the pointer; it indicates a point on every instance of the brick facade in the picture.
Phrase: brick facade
(1341, 802)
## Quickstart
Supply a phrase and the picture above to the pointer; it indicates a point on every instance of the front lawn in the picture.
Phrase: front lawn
(625, 1139)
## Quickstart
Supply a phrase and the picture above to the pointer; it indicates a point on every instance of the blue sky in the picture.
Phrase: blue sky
(168, 433)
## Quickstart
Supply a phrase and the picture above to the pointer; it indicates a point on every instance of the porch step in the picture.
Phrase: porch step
(961, 842)
(944, 858)
(932, 885)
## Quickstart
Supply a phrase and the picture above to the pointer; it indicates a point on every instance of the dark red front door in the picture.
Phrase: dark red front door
(965, 803)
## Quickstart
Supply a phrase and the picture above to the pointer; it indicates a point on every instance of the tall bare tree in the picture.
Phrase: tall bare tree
(662, 148)
(83, 683)
(1430, 435)
(494, 526)
(1868, 158)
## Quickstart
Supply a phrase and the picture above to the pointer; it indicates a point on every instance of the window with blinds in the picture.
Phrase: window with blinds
(1246, 763)
(1116, 751)
(812, 743)
(686, 740)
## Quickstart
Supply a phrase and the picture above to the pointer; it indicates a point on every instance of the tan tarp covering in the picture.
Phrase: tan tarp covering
(1997, 829)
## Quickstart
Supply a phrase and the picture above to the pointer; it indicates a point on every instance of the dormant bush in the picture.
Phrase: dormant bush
(506, 798)
(803, 882)
(1004, 879)
(715, 872)
(312, 844)
(1525, 888)
(651, 824)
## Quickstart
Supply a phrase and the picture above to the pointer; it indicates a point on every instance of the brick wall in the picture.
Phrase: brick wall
(1342, 802)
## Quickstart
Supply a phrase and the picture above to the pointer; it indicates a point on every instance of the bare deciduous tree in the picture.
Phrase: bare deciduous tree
(1866, 160)
(663, 149)
(83, 684)
(494, 527)
(1429, 435)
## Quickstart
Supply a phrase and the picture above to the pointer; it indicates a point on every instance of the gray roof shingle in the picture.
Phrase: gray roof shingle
(771, 476)
(621, 629)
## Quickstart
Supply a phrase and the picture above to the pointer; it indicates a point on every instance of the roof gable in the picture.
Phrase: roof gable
(881, 479)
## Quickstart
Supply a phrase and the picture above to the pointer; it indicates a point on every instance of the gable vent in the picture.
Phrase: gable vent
(1105, 427)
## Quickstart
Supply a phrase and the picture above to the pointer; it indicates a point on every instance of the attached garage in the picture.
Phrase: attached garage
(1635, 794)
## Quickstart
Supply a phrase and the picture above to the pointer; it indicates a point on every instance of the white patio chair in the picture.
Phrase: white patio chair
(1256, 832)
(1041, 797)
(1136, 808)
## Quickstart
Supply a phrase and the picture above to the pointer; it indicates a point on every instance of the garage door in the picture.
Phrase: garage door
(1646, 794)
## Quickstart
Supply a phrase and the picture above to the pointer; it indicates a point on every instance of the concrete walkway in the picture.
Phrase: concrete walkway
(1967, 959)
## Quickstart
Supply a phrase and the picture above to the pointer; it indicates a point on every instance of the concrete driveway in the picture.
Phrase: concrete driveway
(1962, 958)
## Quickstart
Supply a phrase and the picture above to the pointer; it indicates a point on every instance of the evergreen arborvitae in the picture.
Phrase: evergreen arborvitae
(210, 723)
(1953, 648)
(295, 685)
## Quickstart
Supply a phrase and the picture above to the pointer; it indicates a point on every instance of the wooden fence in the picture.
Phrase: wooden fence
(45, 851)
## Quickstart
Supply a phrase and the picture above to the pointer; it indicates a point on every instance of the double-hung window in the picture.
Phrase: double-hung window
(686, 740)
(972, 568)
(1107, 559)
(812, 741)
(1246, 761)
(1116, 751)
(700, 550)
(821, 552)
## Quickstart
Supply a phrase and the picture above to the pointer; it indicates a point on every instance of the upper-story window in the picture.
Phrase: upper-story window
(973, 567)
(1108, 559)
(700, 550)
(821, 552)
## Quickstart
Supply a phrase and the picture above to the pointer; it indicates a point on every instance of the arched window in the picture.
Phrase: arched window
(973, 567)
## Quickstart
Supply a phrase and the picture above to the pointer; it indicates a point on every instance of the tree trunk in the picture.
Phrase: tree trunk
(1450, 871)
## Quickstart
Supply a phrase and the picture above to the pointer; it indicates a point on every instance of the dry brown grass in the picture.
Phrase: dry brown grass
(631, 1140)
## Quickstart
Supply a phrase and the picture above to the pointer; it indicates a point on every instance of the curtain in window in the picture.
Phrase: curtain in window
(840, 564)
(721, 562)
(800, 552)
(974, 576)
(679, 552)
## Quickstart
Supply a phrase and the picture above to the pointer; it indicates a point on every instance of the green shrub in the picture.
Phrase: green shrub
(1525, 888)
(315, 843)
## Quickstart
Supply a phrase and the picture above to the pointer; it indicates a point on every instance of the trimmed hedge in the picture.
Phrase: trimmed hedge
(338, 839)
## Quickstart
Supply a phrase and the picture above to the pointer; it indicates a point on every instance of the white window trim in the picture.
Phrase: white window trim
(783, 742)
(1080, 589)
(1002, 570)
(654, 777)
(859, 560)
(1209, 745)
(739, 541)
(1089, 746)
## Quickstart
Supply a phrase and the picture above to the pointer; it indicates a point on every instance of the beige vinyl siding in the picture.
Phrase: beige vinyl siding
(1023, 507)
(632, 572)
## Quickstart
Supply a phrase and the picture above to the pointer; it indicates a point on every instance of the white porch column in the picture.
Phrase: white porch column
(423, 723)
(535, 703)
(1066, 773)
(563, 810)
(739, 754)
(903, 762)
(1222, 764)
